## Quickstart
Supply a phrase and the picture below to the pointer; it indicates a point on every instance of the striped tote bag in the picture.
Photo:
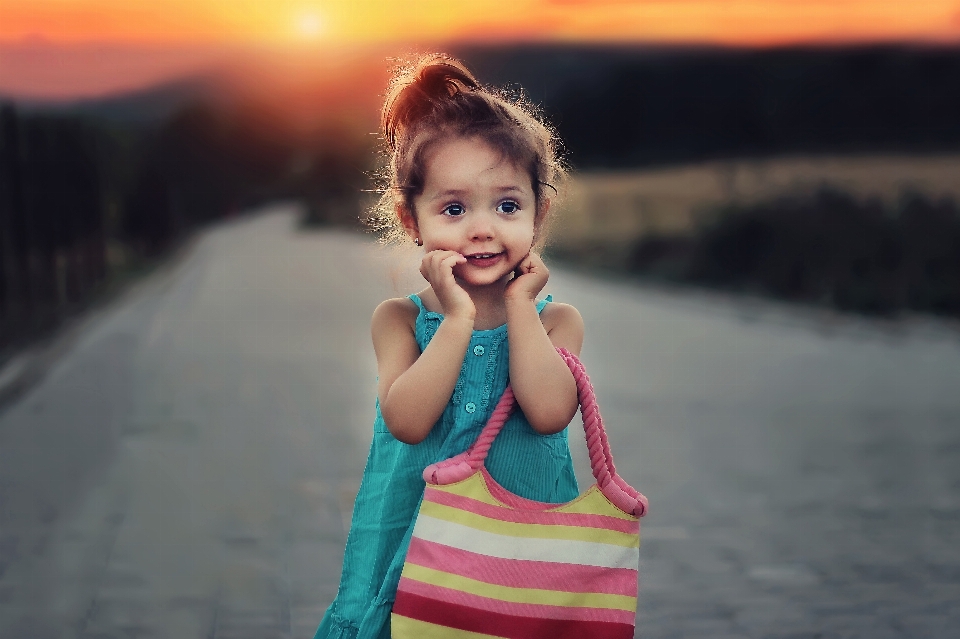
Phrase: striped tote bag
(484, 562)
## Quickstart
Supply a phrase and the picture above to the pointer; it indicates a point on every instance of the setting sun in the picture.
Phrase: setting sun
(309, 25)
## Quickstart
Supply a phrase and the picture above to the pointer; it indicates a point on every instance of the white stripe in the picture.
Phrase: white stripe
(564, 551)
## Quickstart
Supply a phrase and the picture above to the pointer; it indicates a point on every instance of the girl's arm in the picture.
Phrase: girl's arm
(541, 380)
(414, 388)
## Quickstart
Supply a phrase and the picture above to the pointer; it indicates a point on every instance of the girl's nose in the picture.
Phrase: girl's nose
(482, 228)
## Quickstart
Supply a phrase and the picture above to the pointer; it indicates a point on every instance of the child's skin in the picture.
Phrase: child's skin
(475, 203)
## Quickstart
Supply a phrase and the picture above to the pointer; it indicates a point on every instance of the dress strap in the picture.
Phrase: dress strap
(544, 302)
(416, 300)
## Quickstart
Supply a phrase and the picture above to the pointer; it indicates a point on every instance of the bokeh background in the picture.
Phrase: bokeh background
(806, 150)
(761, 229)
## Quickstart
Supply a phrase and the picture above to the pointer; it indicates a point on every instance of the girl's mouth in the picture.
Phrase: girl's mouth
(483, 259)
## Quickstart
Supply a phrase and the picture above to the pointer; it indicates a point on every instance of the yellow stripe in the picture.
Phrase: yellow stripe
(404, 627)
(533, 531)
(519, 595)
(473, 487)
(592, 502)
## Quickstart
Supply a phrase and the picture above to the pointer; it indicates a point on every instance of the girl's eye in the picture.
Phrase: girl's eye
(455, 210)
(508, 207)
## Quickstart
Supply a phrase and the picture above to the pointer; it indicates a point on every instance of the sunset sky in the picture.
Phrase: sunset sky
(165, 37)
(292, 21)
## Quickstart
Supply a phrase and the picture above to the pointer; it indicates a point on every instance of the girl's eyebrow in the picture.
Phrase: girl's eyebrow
(512, 188)
(447, 193)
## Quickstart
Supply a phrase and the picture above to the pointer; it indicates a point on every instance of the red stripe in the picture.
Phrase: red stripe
(533, 611)
(507, 626)
(522, 573)
(500, 513)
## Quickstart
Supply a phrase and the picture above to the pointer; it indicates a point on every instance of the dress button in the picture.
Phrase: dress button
(470, 407)
(478, 350)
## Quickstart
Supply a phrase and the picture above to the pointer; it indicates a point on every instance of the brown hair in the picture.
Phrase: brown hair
(437, 97)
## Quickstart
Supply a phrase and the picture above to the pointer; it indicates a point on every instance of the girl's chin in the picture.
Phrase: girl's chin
(482, 278)
(479, 273)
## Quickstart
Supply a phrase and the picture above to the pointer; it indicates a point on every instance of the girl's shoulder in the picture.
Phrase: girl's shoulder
(556, 313)
(564, 325)
(394, 314)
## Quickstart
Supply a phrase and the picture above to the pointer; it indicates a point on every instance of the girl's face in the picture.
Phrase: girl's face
(477, 203)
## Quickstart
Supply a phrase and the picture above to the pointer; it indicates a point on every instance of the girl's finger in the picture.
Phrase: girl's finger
(434, 259)
(452, 260)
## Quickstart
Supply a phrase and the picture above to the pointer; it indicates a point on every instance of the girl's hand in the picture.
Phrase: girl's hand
(529, 278)
(437, 269)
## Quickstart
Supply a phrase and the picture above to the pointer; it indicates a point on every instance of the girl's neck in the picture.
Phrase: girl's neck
(490, 304)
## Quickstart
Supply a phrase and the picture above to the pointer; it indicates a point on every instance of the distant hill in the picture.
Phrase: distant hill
(619, 106)
(148, 106)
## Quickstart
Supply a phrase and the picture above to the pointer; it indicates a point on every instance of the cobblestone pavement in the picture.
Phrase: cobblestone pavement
(187, 468)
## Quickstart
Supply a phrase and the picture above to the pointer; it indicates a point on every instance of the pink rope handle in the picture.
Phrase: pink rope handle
(461, 466)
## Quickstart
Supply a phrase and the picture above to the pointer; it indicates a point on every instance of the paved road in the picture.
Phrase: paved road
(187, 468)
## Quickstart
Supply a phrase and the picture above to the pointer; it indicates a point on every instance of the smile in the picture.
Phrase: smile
(483, 259)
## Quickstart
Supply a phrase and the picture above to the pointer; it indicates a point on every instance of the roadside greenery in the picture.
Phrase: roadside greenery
(825, 248)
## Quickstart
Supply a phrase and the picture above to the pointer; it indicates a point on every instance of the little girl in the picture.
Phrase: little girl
(469, 178)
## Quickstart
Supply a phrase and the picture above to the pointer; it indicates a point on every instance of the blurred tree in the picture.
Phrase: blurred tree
(51, 240)
(619, 106)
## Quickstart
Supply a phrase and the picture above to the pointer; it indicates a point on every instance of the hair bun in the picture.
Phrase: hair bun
(443, 77)
(417, 90)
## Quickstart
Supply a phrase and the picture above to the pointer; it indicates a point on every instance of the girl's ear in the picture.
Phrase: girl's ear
(540, 225)
(409, 221)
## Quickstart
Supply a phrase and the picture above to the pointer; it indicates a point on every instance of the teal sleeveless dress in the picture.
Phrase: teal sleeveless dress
(531, 465)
